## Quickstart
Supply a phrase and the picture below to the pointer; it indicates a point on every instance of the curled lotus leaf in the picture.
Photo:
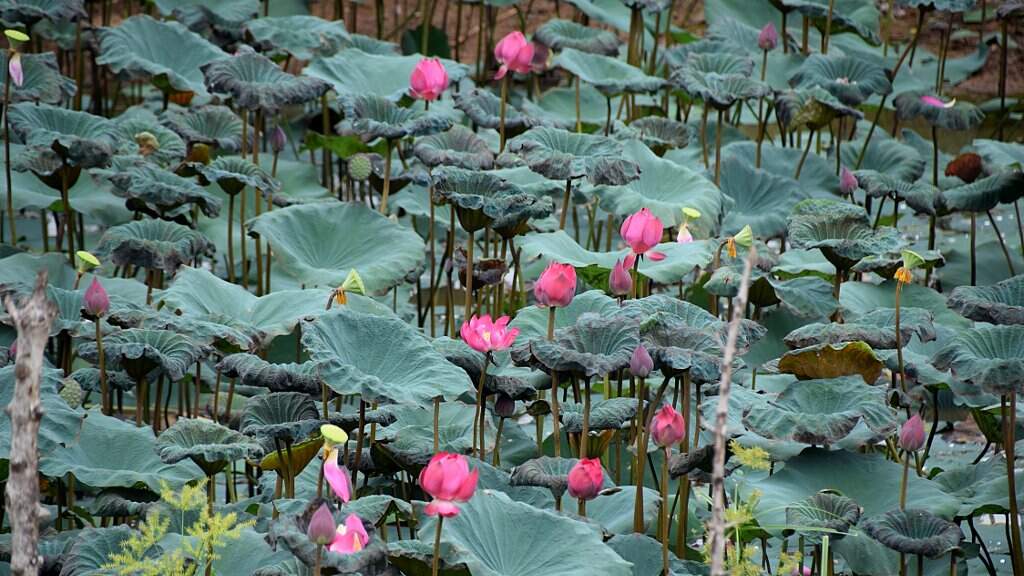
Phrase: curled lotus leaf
(161, 191)
(482, 199)
(89, 379)
(29, 12)
(658, 133)
(558, 34)
(548, 472)
(78, 138)
(303, 36)
(59, 425)
(123, 502)
(886, 157)
(502, 377)
(166, 52)
(1000, 303)
(914, 531)
(233, 173)
(280, 415)
(408, 440)
(254, 82)
(757, 198)
(817, 177)
(532, 321)
(377, 117)
(676, 347)
(841, 231)
(609, 75)
(223, 18)
(719, 78)
(824, 513)
(208, 444)
(563, 155)
(813, 108)
(831, 361)
(356, 71)
(876, 328)
(956, 115)
(251, 370)
(140, 351)
(991, 357)
(225, 333)
(851, 79)
(804, 296)
(41, 79)
(609, 414)
(982, 195)
(130, 126)
(152, 244)
(90, 550)
(822, 412)
(853, 16)
(593, 346)
(484, 109)
(458, 146)
(919, 195)
(718, 62)
(211, 125)
(289, 532)
(886, 265)
(378, 47)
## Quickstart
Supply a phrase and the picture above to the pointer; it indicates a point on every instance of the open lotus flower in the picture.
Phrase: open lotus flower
(556, 285)
(96, 301)
(668, 427)
(912, 434)
(768, 39)
(428, 79)
(449, 481)
(350, 537)
(937, 102)
(586, 478)
(321, 526)
(514, 53)
(642, 231)
(486, 336)
(15, 70)
(620, 283)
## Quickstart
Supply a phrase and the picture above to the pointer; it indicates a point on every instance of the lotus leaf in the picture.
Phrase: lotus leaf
(254, 82)
(211, 125)
(170, 148)
(149, 188)
(502, 377)
(1000, 303)
(208, 444)
(302, 36)
(609, 75)
(919, 195)
(484, 109)
(876, 328)
(29, 12)
(233, 174)
(89, 379)
(548, 472)
(290, 532)
(458, 146)
(644, 553)
(955, 116)
(676, 347)
(41, 79)
(999, 155)
(482, 199)
(60, 424)
(720, 79)
(558, 34)
(78, 138)
(153, 244)
(593, 346)
(840, 230)
(843, 15)
(409, 439)
(659, 134)
(563, 155)
(812, 108)
(353, 72)
(91, 549)
(982, 195)
(824, 513)
(818, 177)
(280, 415)
(308, 246)
(885, 157)
(833, 360)
(139, 351)
(251, 370)
(914, 532)
(849, 78)
(609, 414)
(377, 117)
(991, 357)
(532, 321)
(757, 199)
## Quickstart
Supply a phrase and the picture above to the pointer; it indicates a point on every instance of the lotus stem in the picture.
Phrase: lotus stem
(1002, 243)
(1003, 60)
(639, 459)
(360, 438)
(585, 434)
(387, 179)
(432, 239)
(683, 519)
(504, 104)
(216, 399)
(803, 157)
(579, 120)
(974, 240)
(257, 194)
(231, 238)
(319, 558)
(1009, 414)
(607, 115)
(828, 28)
(943, 54)
(718, 149)
(437, 419)
(231, 397)
(425, 14)
(211, 492)
(555, 424)
(7, 162)
(241, 237)
(156, 405)
(437, 547)
(104, 389)
(140, 395)
(903, 482)
(565, 204)
(664, 512)
(480, 415)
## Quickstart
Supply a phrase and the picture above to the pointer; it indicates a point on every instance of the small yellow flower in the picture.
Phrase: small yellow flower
(730, 245)
(904, 275)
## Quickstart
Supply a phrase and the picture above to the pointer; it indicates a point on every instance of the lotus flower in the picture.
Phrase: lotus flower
(96, 301)
(556, 285)
(350, 537)
(904, 275)
(668, 427)
(14, 69)
(321, 526)
(768, 39)
(620, 282)
(337, 476)
(847, 181)
(641, 364)
(514, 53)
(937, 102)
(278, 139)
(586, 479)
(485, 336)
(449, 481)
(684, 236)
(805, 571)
(428, 79)
(642, 231)
(912, 434)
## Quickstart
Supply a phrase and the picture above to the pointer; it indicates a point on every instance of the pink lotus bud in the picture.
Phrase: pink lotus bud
(642, 231)
(912, 434)
(337, 476)
(684, 236)
(350, 537)
(668, 427)
(935, 102)
(321, 526)
(768, 39)
(448, 480)
(278, 139)
(620, 282)
(556, 285)
(847, 181)
(14, 69)
(428, 80)
(586, 479)
(485, 336)
(641, 364)
(96, 301)
(514, 53)
(797, 571)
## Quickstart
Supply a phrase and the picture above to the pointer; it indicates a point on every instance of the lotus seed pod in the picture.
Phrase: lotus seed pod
(359, 167)
(71, 392)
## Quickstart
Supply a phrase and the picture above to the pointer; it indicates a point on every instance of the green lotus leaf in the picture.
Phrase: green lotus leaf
(16, 268)
(644, 553)
(29, 12)
(919, 195)
(375, 116)
(812, 108)
(958, 116)
(532, 321)
(254, 82)
(166, 52)
(831, 361)
(676, 347)
(548, 472)
(211, 125)
(302, 36)
(609, 75)
(914, 532)
(280, 415)
(152, 244)
(222, 17)
(134, 462)
(822, 411)
(658, 133)
(1006, 11)
(859, 298)
(981, 488)
(484, 109)
(558, 34)
(502, 377)
(563, 155)
(91, 549)
(885, 157)
(300, 184)
(719, 78)
(89, 379)
(818, 177)
(704, 61)
(225, 333)
(124, 501)
(1000, 303)
(353, 72)
(608, 414)
(482, 199)
(548, 544)
(319, 244)
(60, 424)
(135, 122)
(409, 439)
(851, 79)
(823, 514)
(886, 265)
(41, 80)
(208, 444)
(277, 456)
(377, 47)
(991, 357)
(840, 230)
(251, 370)
(384, 359)
(876, 328)
(844, 16)
(290, 532)
(139, 351)
(808, 296)
(78, 138)
(593, 346)
(999, 155)
(954, 6)
(458, 146)
(162, 191)
(234, 173)
(982, 195)
(757, 198)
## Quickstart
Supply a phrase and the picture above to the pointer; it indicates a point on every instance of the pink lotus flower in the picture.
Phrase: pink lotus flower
(556, 285)
(937, 102)
(847, 181)
(642, 231)
(350, 537)
(278, 139)
(96, 302)
(912, 434)
(321, 526)
(641, 364)
(448, 480)
(514, 53)
(620, 282)
(485, 336)
(428, 80)
(337, 476)
(586, 479)
(806, 571)
(668, 427)
(768, 39)
(15, 70)
(684, 236)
